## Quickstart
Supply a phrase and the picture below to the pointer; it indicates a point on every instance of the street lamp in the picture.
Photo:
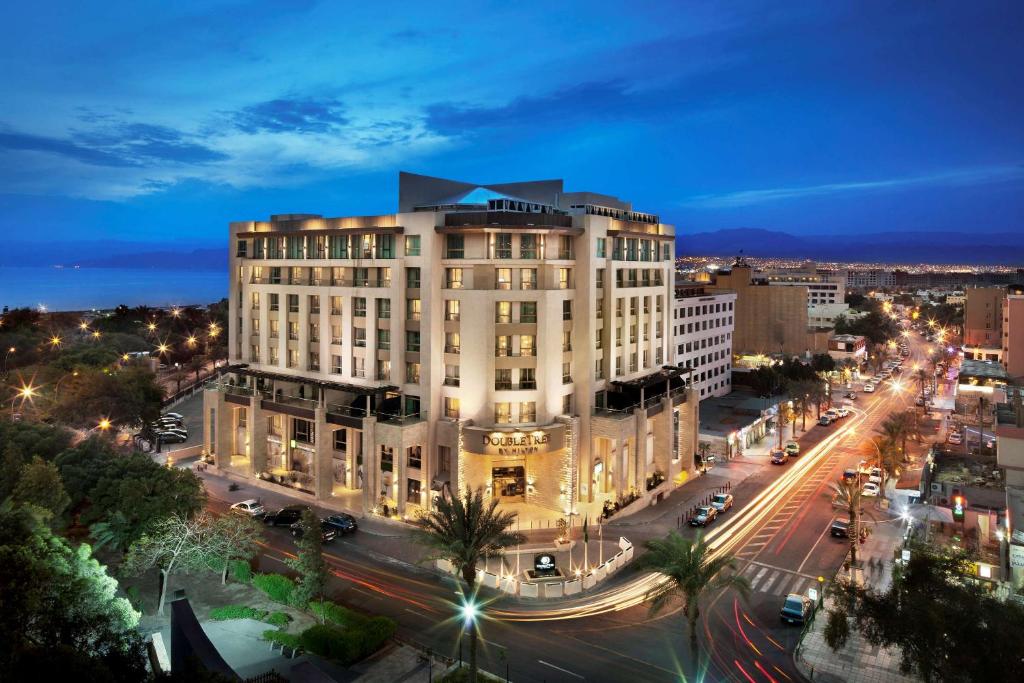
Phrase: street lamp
(176, 312)
(151, 326)
(104, 424)
(470, 612)
(191, 341)
(55, 341)
(83, 326)
(821, 591)
(8, 355)
(96, 334)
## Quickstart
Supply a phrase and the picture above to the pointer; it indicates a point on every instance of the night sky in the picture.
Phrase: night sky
(162, 121)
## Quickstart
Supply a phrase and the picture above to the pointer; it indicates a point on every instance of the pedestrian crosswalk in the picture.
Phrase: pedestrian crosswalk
(776, 580)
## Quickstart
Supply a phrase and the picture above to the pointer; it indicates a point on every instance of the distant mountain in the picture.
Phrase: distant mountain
(113, 254)
(877, 247)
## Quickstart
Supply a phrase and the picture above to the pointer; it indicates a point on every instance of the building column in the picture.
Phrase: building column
(257, 436)
(371, 465)
(218, 442)
(400, 463)
(323, 463)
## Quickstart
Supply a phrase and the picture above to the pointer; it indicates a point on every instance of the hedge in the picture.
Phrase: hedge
(237, 612)
(349, 636)
(278, 619)
(278, 588)
(282, 638)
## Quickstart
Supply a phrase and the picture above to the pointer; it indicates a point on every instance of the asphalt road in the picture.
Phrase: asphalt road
(740, 640)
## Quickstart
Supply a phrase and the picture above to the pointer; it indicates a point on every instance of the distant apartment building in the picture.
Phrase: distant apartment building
(869, 278)
(983, 322)
(1013, 332)
(511, 338)
(768, 320)
(702, 329)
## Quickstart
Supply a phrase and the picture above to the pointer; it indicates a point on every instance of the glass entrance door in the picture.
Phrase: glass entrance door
(509, 483)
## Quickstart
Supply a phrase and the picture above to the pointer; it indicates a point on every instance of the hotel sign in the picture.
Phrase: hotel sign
(522, 442)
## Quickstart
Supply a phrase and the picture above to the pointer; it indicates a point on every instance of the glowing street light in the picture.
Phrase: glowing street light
(104, 424)
(83, 326)
(151, 326)
(191, 341)
(163, 348)
(27, 392)
(96, 334)
(470, 611)
(176, 312)
(55, 341)
(214, 329)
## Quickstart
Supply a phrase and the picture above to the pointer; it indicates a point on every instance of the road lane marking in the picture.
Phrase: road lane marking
(565, 671)
(757, 579)
(766, 588)
(828, 527)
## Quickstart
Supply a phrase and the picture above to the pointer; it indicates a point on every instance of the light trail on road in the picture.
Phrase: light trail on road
(721, 540)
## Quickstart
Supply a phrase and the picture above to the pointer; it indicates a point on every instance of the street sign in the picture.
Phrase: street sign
(812, 593)
(1017, 556)
(905, 555)
(544, 562)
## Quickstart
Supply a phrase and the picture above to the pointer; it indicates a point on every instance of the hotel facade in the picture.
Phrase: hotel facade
(512, 338)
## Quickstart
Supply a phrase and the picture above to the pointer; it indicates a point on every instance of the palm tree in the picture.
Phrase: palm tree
(693, 573)
(196, 364)
(817, 394)
(464, 531)
(883, 451)
(117, 532)
(703, 448)
(848, 494)
(801, 391)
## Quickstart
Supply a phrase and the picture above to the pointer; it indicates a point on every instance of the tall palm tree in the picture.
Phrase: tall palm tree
(883, 451)
(464, 531)
(848, 494)
(693, 574)
(801, 391)
(817, 394)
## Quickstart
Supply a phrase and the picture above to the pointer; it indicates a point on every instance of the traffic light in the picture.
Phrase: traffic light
(958, 508)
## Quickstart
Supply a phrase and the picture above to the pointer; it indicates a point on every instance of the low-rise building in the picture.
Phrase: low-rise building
(1013, 332)
(848, 347)
(702, 327)
(983, 322)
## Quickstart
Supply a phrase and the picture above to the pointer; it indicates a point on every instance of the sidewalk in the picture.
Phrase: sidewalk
(858, 661)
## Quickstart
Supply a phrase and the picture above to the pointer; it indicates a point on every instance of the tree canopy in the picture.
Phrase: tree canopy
(947, 625)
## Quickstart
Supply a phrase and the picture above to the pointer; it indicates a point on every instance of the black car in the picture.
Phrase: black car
(327, 532)
(172, 437)
(286, 516)
(840, 528)
(344, 524)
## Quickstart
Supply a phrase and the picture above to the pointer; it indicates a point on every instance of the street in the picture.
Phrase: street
(778, 531)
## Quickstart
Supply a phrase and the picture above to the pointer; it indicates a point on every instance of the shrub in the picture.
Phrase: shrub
(282, 638)
(278, 619)
(334, 613)
(241, 571)
(237, 612)
(277, 587)
(348, 636)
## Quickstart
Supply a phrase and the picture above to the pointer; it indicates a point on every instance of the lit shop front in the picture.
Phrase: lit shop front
(529, 466)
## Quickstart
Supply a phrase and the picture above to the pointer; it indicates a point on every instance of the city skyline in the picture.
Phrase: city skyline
(714, 117)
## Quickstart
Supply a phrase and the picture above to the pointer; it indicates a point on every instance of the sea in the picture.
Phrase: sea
(80, 289)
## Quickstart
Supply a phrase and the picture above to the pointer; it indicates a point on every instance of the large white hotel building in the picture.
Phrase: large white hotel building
(512, 337)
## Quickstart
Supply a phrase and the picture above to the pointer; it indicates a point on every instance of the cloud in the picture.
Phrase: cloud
(300, 115)
(115, 145)
(592, 102)
(956, 177)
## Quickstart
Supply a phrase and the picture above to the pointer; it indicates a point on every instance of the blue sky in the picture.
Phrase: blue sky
(158, 121)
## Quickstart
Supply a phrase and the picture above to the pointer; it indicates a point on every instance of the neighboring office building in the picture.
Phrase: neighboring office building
(983, 322)
(702, 328)
(1013, 332)
(823, 286)
(769, 320)
(825, 315)
(1010, 457)
(508, 337)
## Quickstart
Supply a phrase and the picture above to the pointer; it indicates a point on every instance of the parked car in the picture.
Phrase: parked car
(249, 508)
(843, 411)
(721, 501)
(869, 388)
(779, 457)
(286, 516)
(870, 490)
(850, 395)
(840, 528)
(327, 532)
(345, 524)
(832, 413)
(792, 448)
(955, 438)
(172, 437)
(824, 420)
(166, 423)
(705, 515)
(850, 474)
(796, 609)
(174, 416)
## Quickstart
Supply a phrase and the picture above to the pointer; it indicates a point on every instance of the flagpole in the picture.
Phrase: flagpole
(600, 543)
(586, 546)
(517, 547)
